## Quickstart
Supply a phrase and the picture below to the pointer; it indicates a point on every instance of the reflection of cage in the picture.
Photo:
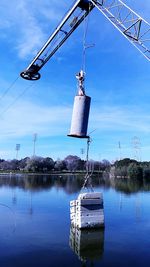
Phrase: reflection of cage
(87, 244)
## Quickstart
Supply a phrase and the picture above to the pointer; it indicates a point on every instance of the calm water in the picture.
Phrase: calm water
(35, 224)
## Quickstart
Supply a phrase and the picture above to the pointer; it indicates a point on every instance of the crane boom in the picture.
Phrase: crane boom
(129, 23)
(76, 14)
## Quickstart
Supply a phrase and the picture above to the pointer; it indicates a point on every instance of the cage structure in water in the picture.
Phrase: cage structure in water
(87, 211)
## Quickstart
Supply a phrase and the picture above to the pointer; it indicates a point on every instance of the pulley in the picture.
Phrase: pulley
(31, 74)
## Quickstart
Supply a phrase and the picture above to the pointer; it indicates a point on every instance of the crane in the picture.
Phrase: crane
(128, 22)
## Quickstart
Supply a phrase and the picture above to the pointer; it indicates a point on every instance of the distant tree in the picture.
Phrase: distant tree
(48, 164)
(97, 165)
(9, 165)
(73, 163)
(39, 164)
(22, 163)
(60, 165)
(146, 174)
(34, 164)
(105, 164)
(121, 172)
(124, 162)
(123, 168)
(90, 165)
(13, 165)
(5, 165)
(135, 171)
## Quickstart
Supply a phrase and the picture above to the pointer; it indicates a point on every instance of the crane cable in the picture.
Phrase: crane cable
(85, 31)
(87, 179)
(81, 75)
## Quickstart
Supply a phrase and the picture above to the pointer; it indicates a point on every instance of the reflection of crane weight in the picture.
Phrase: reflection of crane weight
(87, 244)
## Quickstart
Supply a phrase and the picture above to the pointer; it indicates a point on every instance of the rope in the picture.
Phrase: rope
(87, 179)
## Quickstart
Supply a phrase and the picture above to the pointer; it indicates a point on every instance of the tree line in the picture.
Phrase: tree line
(130, 168)
(37, 164)
(125, 168)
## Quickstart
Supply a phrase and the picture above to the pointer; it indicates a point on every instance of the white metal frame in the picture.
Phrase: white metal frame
(128, 22)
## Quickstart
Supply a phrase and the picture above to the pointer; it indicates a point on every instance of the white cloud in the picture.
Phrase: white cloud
(32, 35)
(30, 23)
(26, 23)
(120, 119)
(26, 118)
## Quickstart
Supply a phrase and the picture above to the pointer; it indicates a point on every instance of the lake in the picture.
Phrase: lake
(35, 223)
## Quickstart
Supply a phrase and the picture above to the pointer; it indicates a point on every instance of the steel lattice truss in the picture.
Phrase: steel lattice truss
(130, 24)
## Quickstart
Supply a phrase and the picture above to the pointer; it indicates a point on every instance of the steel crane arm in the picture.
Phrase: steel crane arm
(130, 24)
(68, 24)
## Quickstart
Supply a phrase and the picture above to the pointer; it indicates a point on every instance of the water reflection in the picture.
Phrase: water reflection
(70, 183)
(35, 223)
(88, 245)
(8, 219)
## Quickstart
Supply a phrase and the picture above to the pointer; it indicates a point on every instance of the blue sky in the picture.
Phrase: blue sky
(117, 79)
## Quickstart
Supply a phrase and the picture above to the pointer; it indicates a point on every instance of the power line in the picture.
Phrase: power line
(136, 146)
(9, 87)
(119, 146)
(16, 99)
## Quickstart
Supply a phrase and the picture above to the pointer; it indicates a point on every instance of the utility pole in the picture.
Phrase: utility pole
(99, 165)
(119, 145)
(34, 141)
(136, 146)
(82, 152)
(17, 150)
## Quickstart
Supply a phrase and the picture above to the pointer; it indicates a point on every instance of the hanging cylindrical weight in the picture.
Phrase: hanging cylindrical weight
(80, 116)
